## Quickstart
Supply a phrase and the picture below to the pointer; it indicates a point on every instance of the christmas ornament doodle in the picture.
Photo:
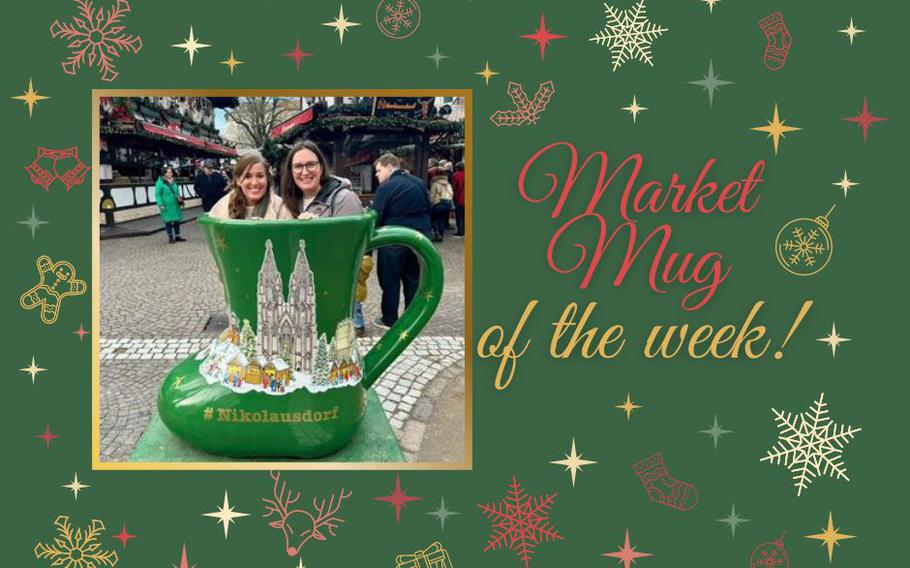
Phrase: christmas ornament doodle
(398, 19)
(770, 555)
(804, 246)
(96, 39)
(56, 281)
(527, 111)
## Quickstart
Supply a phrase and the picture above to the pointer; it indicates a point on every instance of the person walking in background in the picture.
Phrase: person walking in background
(209, 185)
(401, 199)
(441, 201)
(167, 196)
(458, 198)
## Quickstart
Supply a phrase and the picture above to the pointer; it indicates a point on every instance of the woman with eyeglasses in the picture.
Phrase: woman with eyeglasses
(309, 190)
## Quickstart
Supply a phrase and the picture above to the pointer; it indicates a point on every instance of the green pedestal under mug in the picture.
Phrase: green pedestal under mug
(288, 378)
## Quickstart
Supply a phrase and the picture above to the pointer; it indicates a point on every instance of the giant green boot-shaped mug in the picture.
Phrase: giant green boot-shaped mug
(288, 378)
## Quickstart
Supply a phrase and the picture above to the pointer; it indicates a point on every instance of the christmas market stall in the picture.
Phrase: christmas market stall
(140, 135)
(353, 135)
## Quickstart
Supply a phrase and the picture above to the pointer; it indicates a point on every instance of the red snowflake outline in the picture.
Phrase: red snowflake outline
(95, 39)
(521, 522)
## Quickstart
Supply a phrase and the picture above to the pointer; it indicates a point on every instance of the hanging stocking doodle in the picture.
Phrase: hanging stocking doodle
(663, 488)
(779, 41)
(56, 281)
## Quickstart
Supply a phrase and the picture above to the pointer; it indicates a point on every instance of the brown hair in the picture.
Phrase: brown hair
(237, 204)
(388, 159)
(291, 195)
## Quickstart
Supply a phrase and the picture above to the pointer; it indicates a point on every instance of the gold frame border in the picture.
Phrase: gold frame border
(97, 464)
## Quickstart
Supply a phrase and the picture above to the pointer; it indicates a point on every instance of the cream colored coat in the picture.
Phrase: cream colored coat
(276, 209)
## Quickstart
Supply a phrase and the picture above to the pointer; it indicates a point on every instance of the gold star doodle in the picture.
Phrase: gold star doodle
(776, 129)
(225, 515)
(573, 462)
(341, 24)
(190, 45)
(30, 97)
(833, 339)
(231, 62)
(75, 486)
(32, 369)
(830, 537)
(628, 406)
(486, 73)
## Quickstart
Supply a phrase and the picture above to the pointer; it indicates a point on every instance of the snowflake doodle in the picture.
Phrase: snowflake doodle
(628, 34)
(804, 246)
(810, 444)
(521, 522)
(76, 548)
(398, 19)
(96, 38)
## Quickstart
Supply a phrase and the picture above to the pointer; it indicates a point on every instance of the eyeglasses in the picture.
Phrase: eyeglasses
(308, 166)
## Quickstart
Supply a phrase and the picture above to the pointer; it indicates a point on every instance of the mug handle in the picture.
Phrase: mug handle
(425, 301)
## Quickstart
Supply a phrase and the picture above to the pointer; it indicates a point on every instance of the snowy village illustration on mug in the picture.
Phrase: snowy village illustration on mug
(284, 353)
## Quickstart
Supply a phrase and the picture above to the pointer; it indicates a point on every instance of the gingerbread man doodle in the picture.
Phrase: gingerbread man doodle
(56, 281)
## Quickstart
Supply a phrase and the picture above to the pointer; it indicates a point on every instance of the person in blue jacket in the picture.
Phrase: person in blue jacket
(401, 199)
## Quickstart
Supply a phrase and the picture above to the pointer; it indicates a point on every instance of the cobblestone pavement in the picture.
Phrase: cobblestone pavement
(161, 303)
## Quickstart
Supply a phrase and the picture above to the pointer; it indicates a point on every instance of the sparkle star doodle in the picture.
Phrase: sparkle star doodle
(526, 111)
(96, 39)
(521, 522)
(51, 165)
(56, 281)
(76, 547)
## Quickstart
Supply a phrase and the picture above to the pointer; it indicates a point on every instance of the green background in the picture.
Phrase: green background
(518, 431)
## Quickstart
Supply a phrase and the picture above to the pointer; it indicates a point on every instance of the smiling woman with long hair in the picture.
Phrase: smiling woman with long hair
(250, 195)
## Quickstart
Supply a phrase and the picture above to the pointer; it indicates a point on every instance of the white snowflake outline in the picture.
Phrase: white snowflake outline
(628, 34)
(810, 444)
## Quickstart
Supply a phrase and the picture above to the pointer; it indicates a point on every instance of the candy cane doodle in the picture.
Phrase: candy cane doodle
(526, 110)
(48, 164)
(56, 281)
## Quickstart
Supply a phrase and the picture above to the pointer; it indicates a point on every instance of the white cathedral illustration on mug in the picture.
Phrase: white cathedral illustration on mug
(284, 353)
